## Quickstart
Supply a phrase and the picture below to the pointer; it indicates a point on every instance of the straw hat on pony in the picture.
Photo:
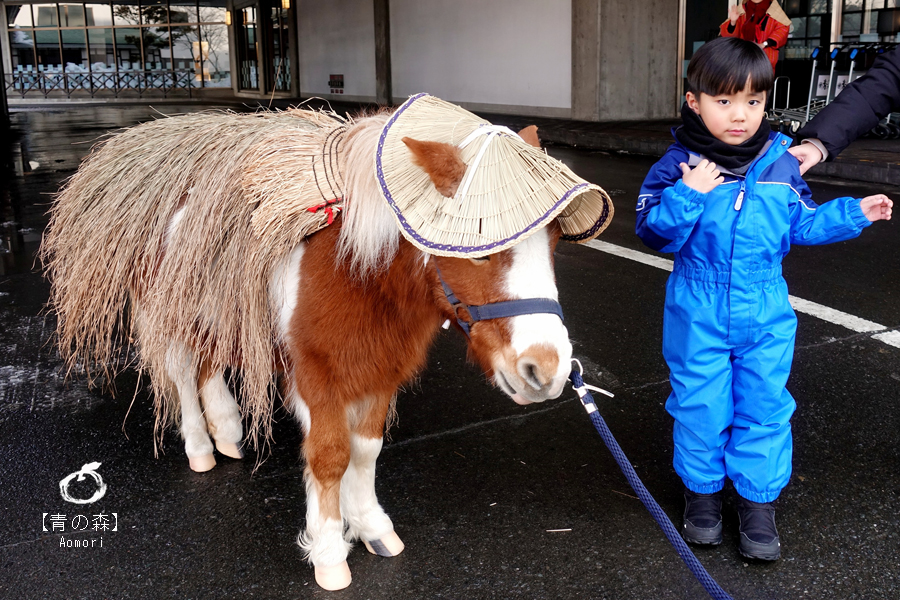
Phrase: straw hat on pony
(509, 190)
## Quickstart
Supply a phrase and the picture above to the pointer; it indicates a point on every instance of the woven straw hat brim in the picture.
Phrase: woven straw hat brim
(515, 190)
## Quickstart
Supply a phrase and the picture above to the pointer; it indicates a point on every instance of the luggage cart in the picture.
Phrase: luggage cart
(887, 129)
(829, 75)
(821, 88)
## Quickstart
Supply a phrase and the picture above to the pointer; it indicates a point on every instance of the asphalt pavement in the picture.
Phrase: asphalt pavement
(493, 500)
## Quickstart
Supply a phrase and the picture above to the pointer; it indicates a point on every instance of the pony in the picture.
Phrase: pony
(166, 239)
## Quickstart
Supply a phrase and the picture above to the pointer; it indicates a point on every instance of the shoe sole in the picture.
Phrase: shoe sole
(761, 551)
(702, 536)
(697, 542)
(767, 557)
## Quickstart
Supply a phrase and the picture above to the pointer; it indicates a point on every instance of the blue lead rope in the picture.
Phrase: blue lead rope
(709, 584)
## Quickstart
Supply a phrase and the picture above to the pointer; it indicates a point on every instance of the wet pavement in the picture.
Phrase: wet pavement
(473, 482)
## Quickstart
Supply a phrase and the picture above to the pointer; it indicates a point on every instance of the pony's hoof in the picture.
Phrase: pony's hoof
(202, 464)
(389, 545)
(333, 578)
(230, 450)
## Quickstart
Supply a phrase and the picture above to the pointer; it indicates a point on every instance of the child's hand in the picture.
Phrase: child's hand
(703, 178)
(877, 207)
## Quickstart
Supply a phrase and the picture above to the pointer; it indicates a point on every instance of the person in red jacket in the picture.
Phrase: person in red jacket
(761, 22)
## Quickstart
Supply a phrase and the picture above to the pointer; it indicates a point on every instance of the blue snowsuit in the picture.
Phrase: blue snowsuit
(728, 328)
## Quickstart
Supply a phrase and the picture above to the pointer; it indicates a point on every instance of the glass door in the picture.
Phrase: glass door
(247, 33)
(278, 28)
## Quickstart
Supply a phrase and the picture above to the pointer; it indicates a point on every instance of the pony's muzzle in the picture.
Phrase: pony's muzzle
(537, 375)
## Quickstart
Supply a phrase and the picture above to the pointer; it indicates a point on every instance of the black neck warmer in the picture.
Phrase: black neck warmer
(696, 137)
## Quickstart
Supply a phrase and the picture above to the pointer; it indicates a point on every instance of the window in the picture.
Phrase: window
(281, 61)
(807, 18)
(117, 46)
(860, 20)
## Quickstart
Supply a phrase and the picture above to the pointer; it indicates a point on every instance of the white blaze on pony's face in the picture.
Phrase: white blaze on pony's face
(537, 363)
(527, 356)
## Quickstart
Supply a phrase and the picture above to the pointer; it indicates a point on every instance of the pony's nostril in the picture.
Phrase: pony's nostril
(531, 373)
(537, 366)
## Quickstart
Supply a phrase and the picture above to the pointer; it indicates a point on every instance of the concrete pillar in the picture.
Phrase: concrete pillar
(625, 59)
(586, 60)
(5, 68)
(837, 20)
(383, 88)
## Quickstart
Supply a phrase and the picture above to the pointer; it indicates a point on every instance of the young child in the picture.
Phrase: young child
(729, 201)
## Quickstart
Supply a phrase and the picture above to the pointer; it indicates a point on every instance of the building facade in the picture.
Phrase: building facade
(583, 59)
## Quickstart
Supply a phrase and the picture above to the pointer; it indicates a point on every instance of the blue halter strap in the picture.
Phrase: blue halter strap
(498, 310)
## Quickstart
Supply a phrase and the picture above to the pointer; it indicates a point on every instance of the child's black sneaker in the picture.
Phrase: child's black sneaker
(759, 537)
(702, 518)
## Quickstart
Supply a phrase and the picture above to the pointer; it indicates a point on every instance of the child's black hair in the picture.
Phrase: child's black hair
(724, 65)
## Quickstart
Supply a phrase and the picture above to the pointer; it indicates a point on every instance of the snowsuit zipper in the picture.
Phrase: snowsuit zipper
(740, 199)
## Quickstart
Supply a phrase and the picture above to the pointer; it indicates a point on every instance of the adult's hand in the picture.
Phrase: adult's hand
(733, 13)
(808, 155)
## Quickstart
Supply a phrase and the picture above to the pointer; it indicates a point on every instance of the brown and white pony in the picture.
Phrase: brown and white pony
(356, 329)
(356, 309)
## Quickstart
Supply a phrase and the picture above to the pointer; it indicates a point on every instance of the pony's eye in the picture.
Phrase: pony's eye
(481, 260)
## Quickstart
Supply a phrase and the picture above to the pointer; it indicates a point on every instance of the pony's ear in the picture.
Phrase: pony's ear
(555, 231)
(442, 162)
(529, 136)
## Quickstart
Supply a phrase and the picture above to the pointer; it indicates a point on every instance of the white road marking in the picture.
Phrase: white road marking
(891, 338)
(648, 259)
(834, 316)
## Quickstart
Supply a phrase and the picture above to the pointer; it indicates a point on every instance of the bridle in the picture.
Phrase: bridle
(493, 310)
(497, 310)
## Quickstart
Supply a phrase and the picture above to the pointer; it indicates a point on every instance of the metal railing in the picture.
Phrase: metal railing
(46, 84)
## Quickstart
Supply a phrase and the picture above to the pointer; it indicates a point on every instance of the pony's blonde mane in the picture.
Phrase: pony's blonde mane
(370, 234)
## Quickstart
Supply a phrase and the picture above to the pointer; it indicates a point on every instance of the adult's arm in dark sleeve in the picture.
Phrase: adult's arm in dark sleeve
(859, 107)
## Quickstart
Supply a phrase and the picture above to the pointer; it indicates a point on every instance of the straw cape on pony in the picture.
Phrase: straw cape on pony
(329, 251)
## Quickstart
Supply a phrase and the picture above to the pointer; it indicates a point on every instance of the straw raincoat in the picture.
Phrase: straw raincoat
(773, 30)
